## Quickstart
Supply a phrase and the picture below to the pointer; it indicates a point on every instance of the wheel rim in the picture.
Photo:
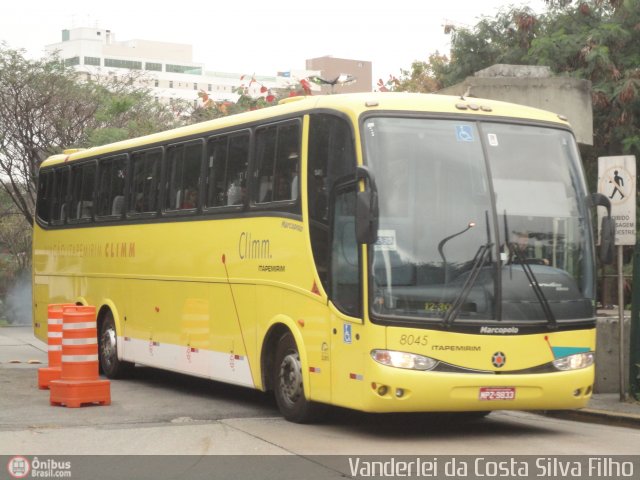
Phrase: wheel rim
(108, 347)
(291, 378)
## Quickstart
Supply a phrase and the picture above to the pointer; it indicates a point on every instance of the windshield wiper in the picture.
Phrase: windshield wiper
(533, 281)
(535, 285)
(478, 262)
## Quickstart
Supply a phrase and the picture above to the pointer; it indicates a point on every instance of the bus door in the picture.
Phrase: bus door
(331, 193)
(347, 349)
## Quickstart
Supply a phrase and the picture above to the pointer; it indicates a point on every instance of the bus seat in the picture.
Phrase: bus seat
(116, 206)
(84, 209)
(265, 189)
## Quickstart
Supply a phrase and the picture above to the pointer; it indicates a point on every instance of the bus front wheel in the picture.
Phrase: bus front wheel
(288, 384)
(108, 350)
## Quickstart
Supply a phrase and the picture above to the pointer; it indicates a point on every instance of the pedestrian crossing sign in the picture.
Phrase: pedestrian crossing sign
(617, 181)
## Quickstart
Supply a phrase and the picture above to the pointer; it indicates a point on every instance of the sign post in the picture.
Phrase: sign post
(617, 180)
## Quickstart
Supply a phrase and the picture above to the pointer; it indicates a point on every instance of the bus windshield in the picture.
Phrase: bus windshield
(479, 222)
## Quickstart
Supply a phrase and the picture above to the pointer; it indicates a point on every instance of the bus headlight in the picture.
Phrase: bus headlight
(575, 362)
(410, 361)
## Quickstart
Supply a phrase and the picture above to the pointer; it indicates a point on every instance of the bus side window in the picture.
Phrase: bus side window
(82, 188)
(287, 167)
(60, 188)
(217, 171)
(146, 176)
(183, 176)
(172, 164)
(112, 179)
(76, 191)
(345, 262)
(45, 192)
(237, 164)
(266, 141)
(276, 175)
(331, 156)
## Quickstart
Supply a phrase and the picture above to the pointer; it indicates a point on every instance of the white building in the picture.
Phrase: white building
(166, 68)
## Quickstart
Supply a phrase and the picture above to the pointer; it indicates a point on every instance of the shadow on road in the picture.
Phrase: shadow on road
(391, 425)
(436, 424)
(202, 388)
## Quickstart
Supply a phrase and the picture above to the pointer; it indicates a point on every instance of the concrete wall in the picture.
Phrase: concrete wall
(534, 87)
(607, 354)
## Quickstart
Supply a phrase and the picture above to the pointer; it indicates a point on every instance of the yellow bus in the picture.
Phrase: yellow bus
(380, 252)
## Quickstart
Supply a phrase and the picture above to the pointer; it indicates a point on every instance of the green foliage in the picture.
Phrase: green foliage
(424, 77)
(46, 107)
(503, 39)
(590, 39)
(103, 136)
(15, 261)
(126, 110)
(15, 238)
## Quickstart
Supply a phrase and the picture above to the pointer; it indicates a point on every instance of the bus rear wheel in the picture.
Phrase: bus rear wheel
(108, 350)
(288, 384)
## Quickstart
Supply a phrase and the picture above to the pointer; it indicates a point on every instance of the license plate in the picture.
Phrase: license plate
(494, 393)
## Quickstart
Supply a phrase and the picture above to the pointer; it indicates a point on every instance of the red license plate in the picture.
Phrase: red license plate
(495, 393)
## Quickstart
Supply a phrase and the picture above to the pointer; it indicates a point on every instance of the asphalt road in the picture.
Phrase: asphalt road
(162, 413)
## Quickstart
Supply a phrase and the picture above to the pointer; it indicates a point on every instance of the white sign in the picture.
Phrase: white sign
(386, 241)
(617, 180)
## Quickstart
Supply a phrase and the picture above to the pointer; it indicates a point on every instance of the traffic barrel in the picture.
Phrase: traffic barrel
(79, 344)
(79, 381)
(54, 345)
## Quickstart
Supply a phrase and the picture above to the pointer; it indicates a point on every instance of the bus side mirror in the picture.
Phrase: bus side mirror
(367, 217)
(367, 209)
(607, 240)
(607, 229)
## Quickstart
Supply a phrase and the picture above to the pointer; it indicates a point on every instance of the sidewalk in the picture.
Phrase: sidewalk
(604, 408)
(20, 348)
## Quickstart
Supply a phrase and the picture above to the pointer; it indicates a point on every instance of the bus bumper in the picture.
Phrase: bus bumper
(397, 390)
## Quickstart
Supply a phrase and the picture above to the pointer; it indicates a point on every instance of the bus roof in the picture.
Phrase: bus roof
(351, 104)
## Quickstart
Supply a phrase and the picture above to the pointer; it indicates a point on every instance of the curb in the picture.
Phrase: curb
(601, 417)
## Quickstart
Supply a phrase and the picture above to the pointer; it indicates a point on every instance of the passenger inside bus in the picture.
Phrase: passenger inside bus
(190, 199)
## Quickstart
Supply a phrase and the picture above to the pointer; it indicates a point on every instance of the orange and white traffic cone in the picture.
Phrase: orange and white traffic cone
(79, 382)
(54, 341)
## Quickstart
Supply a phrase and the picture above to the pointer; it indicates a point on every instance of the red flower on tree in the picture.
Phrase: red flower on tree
(306, 86)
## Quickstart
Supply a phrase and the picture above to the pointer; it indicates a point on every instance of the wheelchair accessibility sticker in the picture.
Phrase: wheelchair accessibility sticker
(346, 333)
(464, 133)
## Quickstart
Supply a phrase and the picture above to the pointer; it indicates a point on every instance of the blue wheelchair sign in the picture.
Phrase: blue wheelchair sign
(346, 333)
(464, 133)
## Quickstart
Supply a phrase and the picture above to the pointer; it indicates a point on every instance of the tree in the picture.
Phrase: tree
(15, 262)
(424, 77)
(599, 42)
(589, 39)
(46, 106)
(15, 238)
(210, 109)
(125, 109)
